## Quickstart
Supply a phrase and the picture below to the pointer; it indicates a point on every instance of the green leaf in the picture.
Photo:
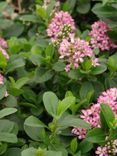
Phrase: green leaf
(14, 63)
(51, 6)
(85, 146)
(65, 104)
(96, 135)
(53, 153)
(83, 6)
(35, 55)
(15, 29)
(42, 75)
(6, 126)
(99, 69)
(49, 52)
(104, 124)
(32, 121)
(110, 82)
(112, 63)
(3, 60)
(29, 18)
(112, 34)
(87, 64)
(105, 1)
(74, 145)
(29, 152)
(14, 45)
(8, 137)
(5, 23)
(3, 148)
(107, 114)
(17, 44)
(36, 132)
(29, 95)
(51, 103)
(59, 66)
(14, 91)
(107, 13)
(7, 111)
(21, 82)
(13, 152)
(86, 87)
(33, 124)
(69, 5)
(72, 121)
(3, 6)
(41, 12)
(10, 101)
(73, 74)
(2, 91)
(78, 153)
(113, 133)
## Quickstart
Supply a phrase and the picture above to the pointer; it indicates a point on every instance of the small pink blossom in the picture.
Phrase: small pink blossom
(3, 51)
(102, 151)
(74, 51)
(1, 79)
(80, 132)
(99, 37)
(95, 62)
(110, 148)
(3, 46)
(3, 43)
(91, 115)
(60, 27)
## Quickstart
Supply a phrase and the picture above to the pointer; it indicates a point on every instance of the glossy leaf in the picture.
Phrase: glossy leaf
(7, 111)
(51, 103)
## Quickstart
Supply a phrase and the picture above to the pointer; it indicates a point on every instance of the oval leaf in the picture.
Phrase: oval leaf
(50, 102)
(7, 111)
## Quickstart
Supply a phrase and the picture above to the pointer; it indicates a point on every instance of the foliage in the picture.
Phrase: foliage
(41, 99)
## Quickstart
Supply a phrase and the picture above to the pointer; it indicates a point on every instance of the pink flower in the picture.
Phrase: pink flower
(110, 148)
(92, 114)
(1, 79)
(60, 27)
(99, 37)
(109, 97)
(102, 151)
(3, 51)
(95, 62)
(80, 132)
(3, 43)
(74, 52)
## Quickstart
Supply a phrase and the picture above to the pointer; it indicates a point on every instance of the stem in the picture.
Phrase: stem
(19, 5)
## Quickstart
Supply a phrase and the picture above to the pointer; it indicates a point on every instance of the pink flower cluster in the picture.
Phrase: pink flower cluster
(61, 26)
(3, 46)
(99, 37)
(74, 52)
(92, 114)
(109, 149)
